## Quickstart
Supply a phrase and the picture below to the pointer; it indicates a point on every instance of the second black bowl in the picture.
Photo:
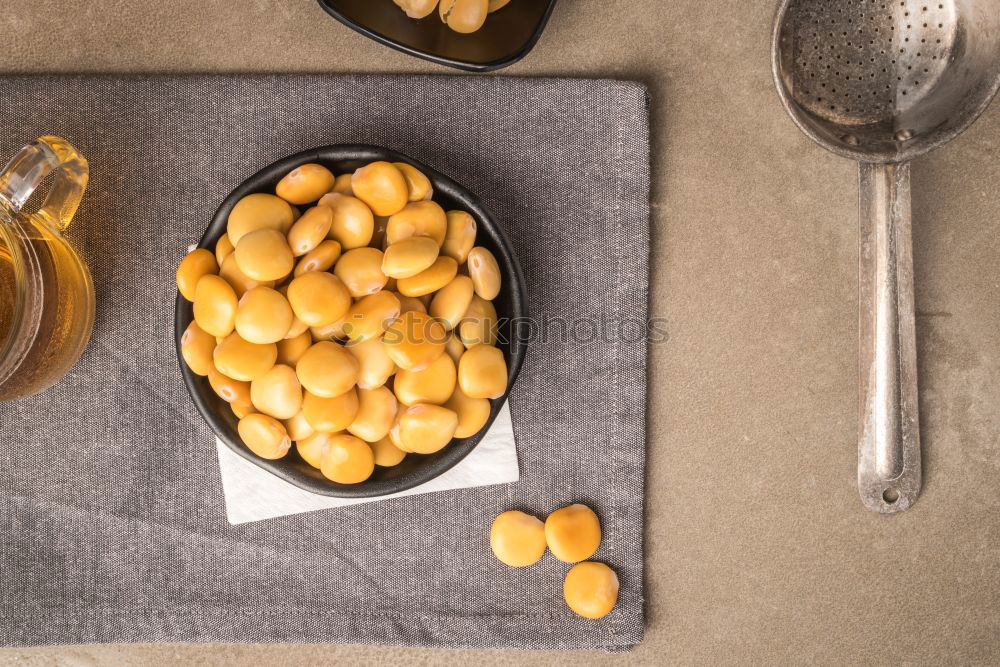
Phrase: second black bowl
(510, 305)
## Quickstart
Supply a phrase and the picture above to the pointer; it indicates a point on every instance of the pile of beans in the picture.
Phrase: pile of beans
(361, 328)
(572, 534)
(463, 16)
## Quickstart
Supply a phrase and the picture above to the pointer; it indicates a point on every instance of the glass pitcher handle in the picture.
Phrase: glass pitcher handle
(23, 174)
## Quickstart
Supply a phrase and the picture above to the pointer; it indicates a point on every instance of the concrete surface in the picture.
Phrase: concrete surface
(758, 547)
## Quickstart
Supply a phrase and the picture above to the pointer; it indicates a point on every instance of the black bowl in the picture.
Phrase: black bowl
(510, 304)
(508, 35)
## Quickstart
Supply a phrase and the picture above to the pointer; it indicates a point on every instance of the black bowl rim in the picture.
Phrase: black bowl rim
(458, 449)
(500, 63)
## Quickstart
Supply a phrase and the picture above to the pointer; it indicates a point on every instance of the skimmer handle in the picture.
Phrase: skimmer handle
(889, 433)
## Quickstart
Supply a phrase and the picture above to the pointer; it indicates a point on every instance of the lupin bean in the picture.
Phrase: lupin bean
(195, 265)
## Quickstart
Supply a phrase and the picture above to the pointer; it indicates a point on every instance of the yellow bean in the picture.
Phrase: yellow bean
(296, 214)
(264, 255)
(263, 316)
(298, 326)
(349, 460)
(415, 9)
(290, 350)
(517, 539)
(433, 384)
(452, 301)
(454, 347)
(243, 360)
(196, 349)
(305, 184)
(228, 389)
(374, 364)
(318, 298)
(361, 271)
(414, 340)
(298, 428)
(409, 257)
(420, 218)
(460, 237)
(376, 413)
(327, 369)
(381, 186)
(239, 281)
(310, 230)
(265, 436)
(464, 16)
(591, 589)
(215, 306)
(258, 211)
(242, 408)
(417, 183)
(431, 279)
(223, 248)
(482, 372)
(343, 185)
(408, 303)
(353, 223)
(313, 448)
(321, 258)
(277, 392)
(479, 323)
(485, 273)
(387, 454)
(497, 4)
(423, 428)
(573, 533)
(330, 414)
(332, 331)
(370, 315)
(473, 413)
(197, 264)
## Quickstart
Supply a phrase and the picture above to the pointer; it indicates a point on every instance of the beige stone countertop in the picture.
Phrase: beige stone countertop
(758, 549)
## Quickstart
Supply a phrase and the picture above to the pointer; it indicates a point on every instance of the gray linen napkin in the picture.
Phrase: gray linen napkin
(112, 523)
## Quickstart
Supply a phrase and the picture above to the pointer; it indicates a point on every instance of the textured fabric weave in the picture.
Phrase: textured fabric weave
(112, 520)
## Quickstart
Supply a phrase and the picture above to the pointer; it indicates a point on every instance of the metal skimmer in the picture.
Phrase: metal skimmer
(882, 82)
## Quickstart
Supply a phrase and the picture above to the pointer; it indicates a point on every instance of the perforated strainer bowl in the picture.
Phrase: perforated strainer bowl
(883, 81)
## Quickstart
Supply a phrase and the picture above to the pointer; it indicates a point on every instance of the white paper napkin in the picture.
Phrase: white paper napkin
(253, 494)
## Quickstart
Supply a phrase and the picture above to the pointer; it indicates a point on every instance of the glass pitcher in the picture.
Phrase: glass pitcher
(46, 292)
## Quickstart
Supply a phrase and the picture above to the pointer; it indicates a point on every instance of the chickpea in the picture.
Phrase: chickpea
(361, 271)
(420, 218)
(381, 186)
(327, 369)
(243, 360)
(464, 16)
(375, 416)
(473, 413)
(414, 340)
(479, 324)
(277, 392)
(265, 436)
(228, 389)
(343, 185)
(433, 384)
(223, 248)
(409, 257)
(258, 211)
(290, 350)
(196, 349)
(452, 301)
(330, 414)
(313, 449)
(591, 589)
(321, 258)
(298, 428)
(417, 183)
(431, 279)
(353, 223)
(238, 280)
(197, 264)
(215, 306)
(423, 428)
(482, 372)
(264, 255)
(387, 454)
(318, 298)
(349, 460)
(370, 315)
(517, 539)
(310, 230)
(460, 236)
(415, 9)
(573, 533)
(305, 184)
(485, 273)
(375, 365)
(263, 316)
